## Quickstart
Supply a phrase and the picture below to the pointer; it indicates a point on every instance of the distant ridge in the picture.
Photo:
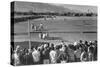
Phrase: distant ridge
(39, 7)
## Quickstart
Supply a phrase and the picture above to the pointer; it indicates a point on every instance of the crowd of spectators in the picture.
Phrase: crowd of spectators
(81, 51)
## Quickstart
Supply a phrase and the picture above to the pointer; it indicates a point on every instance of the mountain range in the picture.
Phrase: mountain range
(40, 7)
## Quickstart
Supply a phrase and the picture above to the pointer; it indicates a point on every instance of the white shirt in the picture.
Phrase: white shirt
(53, 56)
(16, 58)
(36, 55)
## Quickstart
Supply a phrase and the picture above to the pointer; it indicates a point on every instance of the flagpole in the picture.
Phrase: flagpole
(29, 34)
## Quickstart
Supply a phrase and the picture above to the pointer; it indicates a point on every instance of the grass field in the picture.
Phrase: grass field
(65, 26)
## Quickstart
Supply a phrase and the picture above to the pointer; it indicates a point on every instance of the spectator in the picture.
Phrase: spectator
(90, 53)
(84, 56)
(78, 54)
(16, 56)
(36, 56)
(46, 52)
(63, 55)
(53, 56)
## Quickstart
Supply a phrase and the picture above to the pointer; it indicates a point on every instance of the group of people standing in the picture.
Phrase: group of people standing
(52, 54)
